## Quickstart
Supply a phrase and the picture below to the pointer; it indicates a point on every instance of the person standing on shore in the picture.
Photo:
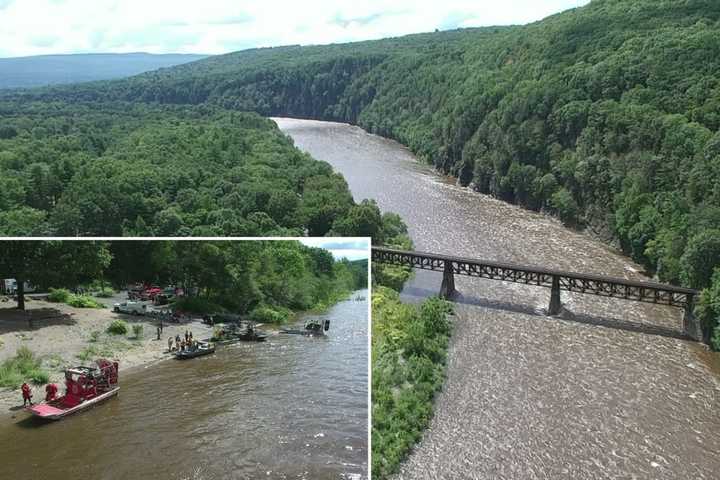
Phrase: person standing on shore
(27, 394)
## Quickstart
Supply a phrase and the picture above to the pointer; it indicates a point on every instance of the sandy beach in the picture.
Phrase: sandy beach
(59, 333)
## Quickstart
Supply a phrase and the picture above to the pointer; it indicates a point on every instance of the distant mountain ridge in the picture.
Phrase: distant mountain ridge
(43, 70)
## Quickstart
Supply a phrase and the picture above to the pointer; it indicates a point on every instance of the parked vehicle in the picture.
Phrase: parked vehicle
(161, 299)
(132, 308)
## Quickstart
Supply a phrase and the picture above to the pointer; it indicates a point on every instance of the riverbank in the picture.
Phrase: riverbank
(409, 353)
(63, 336)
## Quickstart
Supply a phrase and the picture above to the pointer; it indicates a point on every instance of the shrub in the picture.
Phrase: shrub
(409, 348)
(39, 377)
(137, 330)
(118, 327)
(106, 292)
(59, 295)
(94, 336)
(22, 367)
(83, 301)
(265, 314)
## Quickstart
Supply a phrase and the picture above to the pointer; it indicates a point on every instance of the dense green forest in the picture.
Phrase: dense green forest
(607, 116)
(131, 169)
(267, 279)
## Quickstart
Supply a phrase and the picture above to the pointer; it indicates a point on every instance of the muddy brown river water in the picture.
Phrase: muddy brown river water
(290, 408)
(608, 389)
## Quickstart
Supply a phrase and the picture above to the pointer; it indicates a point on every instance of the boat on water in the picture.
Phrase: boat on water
(233, 333)
(313, 328)
(251, 334)
(85, 387)
(202, 348)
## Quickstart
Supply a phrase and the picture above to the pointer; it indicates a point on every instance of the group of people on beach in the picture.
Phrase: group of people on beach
(180, 344)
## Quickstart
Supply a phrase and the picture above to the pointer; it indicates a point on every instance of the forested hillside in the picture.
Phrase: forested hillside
(122, 169)
(607, 116)
(40, 70)
(268, 279)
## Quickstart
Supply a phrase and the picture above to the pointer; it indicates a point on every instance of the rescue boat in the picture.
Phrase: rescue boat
(313, 328)
(85, 387)
(202, 348)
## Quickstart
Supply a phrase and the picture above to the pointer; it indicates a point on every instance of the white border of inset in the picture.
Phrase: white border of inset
(245, 239)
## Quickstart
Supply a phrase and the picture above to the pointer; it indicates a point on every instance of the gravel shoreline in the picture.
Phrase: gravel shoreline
(60, 332)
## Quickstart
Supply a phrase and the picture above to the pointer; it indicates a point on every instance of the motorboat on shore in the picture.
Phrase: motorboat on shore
(85, 387)
(200, 349)
(313, 328)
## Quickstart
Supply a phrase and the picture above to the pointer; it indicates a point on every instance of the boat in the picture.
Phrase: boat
(202, 348)
(313, 328)
(250, 334)
(85, 387)
(233, 333)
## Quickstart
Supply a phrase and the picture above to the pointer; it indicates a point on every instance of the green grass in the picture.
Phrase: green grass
(25, 366)
(94, 336)
(54, 362)
(137, 331)
(104, 350)
(409, 351)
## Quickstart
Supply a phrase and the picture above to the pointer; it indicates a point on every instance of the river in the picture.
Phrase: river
(293, 407)
(608, 389)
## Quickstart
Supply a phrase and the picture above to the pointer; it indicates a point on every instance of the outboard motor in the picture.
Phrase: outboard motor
(327, 324)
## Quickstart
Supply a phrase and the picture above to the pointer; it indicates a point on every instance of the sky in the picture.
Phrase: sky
(350, 248)
(38, 27)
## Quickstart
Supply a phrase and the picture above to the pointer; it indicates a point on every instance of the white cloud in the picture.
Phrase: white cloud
(350, 248)
(31, 27)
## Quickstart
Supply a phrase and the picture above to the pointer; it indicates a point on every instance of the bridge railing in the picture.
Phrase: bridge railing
(556, 280)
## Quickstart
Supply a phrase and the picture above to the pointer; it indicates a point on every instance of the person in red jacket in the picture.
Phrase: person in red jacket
(27, 394)
(50, 392)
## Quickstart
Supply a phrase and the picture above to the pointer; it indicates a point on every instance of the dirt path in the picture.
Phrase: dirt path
(60, 333)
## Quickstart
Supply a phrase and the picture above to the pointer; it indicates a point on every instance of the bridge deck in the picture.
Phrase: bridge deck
(606, 286)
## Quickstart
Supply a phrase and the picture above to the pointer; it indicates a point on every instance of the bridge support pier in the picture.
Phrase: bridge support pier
(691, 324)
(447, 288)
(555, 303)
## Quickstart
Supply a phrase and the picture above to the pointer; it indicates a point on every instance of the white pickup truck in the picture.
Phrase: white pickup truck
(133, 308)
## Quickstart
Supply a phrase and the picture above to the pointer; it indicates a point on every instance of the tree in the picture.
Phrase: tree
(701, 257)
(52, 263)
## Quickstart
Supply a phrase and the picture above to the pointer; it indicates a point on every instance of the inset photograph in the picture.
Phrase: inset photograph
(184, 359)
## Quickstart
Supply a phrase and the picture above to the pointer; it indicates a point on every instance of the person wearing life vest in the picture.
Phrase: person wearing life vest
(27, 394)
(50, 392)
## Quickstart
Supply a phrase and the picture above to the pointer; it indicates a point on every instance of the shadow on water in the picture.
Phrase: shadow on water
(32, 422)
(418, 294)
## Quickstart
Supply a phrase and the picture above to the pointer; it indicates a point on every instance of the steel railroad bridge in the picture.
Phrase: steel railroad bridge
(556, 280)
